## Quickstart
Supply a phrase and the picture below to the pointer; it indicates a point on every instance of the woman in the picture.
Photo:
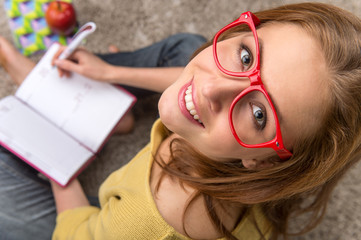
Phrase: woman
(263, 119)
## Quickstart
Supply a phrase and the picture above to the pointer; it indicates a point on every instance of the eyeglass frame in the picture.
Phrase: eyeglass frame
(256, 84)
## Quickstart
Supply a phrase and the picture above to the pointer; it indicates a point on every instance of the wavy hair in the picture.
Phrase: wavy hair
(304, 182)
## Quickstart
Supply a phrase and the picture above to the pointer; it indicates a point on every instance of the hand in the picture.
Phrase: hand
(69, 197)
(82, 62)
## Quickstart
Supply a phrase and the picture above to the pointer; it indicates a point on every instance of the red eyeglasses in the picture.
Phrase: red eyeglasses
(252, 115)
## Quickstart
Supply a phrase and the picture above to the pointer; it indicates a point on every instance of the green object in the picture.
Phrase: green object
(30, 31)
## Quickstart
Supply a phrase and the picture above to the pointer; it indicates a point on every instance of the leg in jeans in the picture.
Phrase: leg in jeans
(27, 207)
(26, 201)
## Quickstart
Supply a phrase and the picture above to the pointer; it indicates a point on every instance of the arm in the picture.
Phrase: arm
(87, 64)
(155, 79)
(69, 197)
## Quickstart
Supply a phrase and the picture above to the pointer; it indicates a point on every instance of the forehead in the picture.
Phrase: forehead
(293, 71)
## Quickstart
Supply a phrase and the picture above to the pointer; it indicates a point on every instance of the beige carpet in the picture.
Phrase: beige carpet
(131, 24)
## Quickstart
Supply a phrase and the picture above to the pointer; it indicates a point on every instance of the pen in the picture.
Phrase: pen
(80, 35)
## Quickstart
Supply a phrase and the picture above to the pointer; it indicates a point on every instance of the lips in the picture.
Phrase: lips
(186, 104)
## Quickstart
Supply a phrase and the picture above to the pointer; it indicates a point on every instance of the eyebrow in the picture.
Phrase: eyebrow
(260, 43)
(279, 116)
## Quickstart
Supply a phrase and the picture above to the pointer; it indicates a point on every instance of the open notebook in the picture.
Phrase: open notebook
(57, 125)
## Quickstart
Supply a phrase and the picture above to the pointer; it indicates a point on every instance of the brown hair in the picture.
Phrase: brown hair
(304, 182)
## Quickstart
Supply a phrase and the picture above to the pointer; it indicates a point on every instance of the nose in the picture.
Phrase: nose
(221, 90)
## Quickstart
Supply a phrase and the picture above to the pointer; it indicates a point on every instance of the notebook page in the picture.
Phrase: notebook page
(84, 108)
(38, 142)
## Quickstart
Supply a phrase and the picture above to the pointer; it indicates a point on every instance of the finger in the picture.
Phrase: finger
(78, 54)
(67, 74)
(60, 72)
(57, 54)
(66, 65)
(63, 73)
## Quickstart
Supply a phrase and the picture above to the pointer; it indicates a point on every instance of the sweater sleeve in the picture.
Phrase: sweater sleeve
(76, 223)
(125, 217)
(127, 208)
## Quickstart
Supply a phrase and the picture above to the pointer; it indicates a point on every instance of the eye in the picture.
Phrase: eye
(245, 57)
(260, 117)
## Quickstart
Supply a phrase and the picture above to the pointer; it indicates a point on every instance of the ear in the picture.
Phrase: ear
(249, 163)
(258, 164)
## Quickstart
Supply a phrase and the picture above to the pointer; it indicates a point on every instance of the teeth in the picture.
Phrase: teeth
(188, 98)
(190, 105)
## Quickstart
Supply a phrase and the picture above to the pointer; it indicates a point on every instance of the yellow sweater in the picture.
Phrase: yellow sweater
(128, 210)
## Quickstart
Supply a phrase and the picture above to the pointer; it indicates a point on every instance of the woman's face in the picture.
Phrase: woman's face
(293, 72)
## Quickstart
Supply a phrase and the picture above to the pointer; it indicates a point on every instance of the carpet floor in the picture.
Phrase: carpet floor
(138, 23)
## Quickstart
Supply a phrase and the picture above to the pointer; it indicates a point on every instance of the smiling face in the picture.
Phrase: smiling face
(293, 72)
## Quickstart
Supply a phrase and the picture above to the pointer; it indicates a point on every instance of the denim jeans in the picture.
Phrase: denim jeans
(27, 208)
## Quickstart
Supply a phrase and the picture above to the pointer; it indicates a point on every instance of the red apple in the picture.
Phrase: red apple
(60, 17)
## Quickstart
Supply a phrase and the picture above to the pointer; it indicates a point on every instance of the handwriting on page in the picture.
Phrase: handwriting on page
(4, 109)
(44, 72)
(79, 97)
(76, 100)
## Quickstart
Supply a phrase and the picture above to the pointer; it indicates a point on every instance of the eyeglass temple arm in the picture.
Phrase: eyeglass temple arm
(283, 154)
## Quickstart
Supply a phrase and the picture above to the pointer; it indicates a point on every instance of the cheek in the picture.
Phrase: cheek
(204, 60)
(221, 145)
(217, 144)
(167, 108)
